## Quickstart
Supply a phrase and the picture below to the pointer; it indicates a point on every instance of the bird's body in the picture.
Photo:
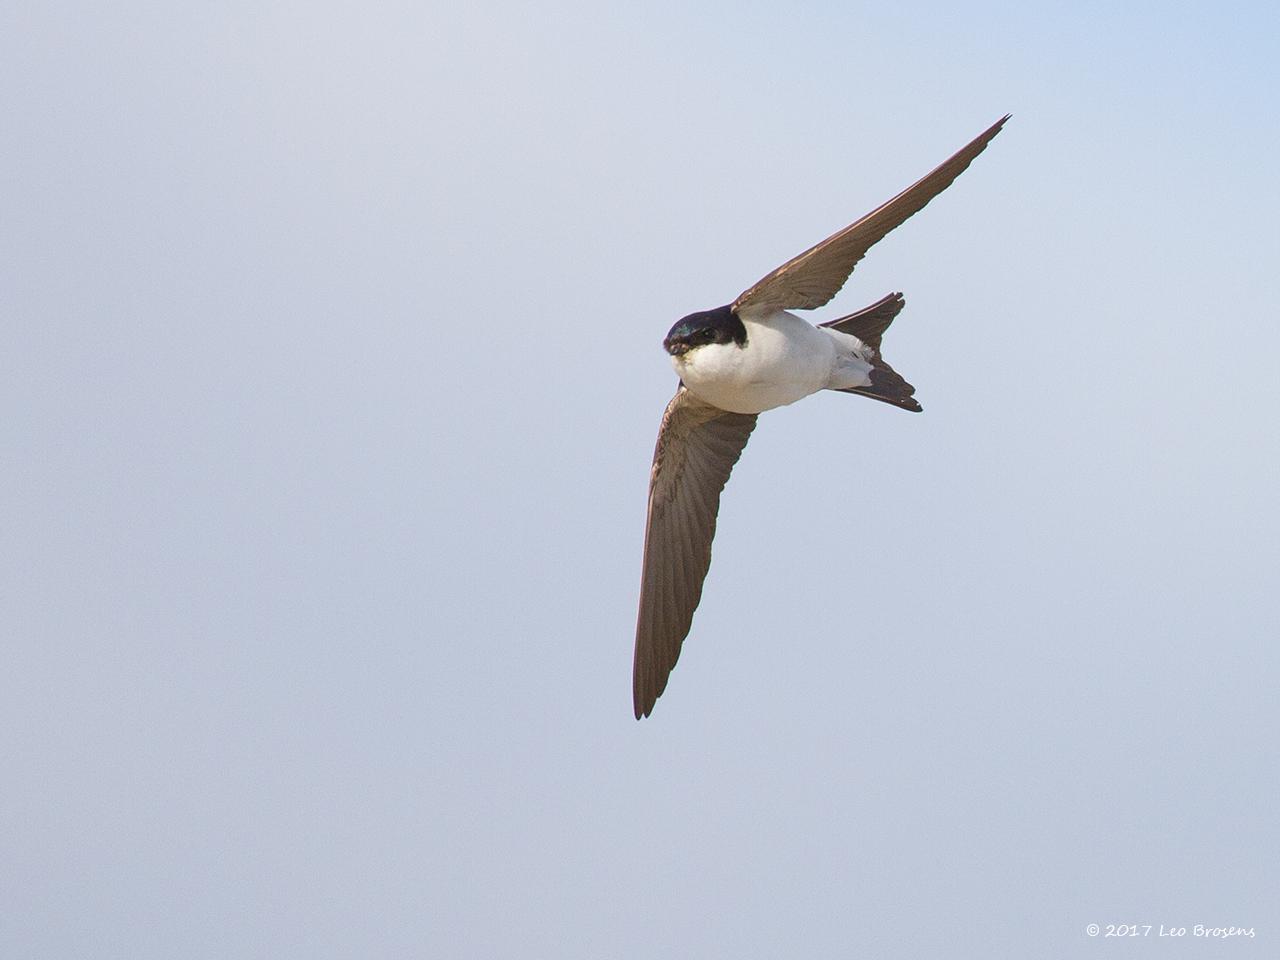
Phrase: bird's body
(783, 360)
(735, 362)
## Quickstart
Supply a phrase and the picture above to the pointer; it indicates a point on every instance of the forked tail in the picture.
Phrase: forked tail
(869, 325)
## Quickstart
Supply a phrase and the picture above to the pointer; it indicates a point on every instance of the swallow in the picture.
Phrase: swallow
(734, 363)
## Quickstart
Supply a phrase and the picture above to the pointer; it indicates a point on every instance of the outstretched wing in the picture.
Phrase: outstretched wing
(698, 445)
(815, 276)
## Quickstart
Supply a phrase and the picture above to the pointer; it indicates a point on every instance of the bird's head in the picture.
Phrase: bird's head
(699, 329)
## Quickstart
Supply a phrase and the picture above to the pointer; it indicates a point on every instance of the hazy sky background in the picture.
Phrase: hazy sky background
(330, 375)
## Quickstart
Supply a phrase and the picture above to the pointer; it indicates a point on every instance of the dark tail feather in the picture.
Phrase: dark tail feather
(888, 386)
(869, 325)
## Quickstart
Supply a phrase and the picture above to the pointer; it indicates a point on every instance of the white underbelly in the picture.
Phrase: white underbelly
(784, 359)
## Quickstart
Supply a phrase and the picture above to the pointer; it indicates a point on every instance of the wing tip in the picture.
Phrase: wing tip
(642, 701)
(997, 126)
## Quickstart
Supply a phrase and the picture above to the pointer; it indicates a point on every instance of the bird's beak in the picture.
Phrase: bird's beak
(676, 347)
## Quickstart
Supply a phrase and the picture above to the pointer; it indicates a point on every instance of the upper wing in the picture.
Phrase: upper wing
(815, 276)
(698, 445)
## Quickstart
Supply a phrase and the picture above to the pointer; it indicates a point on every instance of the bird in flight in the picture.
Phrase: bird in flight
(735, 362)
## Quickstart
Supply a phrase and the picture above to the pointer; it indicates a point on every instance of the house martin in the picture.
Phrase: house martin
(735, 362)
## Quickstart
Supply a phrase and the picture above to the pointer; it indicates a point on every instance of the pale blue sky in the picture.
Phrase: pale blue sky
(331, 371)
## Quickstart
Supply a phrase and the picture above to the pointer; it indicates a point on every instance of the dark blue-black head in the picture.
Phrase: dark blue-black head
(720, 325)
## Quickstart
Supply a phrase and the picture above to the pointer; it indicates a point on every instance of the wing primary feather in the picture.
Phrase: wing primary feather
(810, 279)
(697, 447)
